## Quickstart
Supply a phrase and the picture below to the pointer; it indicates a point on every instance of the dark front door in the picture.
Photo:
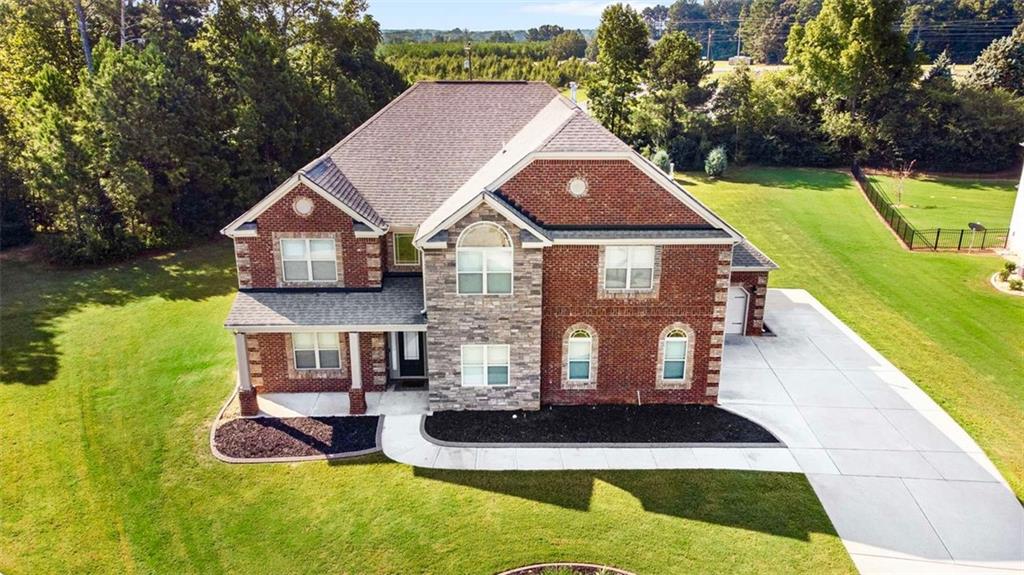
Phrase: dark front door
(411, 354)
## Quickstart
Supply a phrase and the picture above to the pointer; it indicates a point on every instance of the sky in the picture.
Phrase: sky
(491, 14)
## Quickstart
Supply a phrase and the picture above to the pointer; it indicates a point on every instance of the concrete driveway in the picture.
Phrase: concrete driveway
(906, 488)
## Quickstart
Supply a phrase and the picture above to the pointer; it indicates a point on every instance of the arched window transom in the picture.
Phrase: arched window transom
(484, 260)
(674, 364)
(580, 354)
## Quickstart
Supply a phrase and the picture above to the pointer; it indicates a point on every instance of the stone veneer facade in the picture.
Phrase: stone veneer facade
(455, 320)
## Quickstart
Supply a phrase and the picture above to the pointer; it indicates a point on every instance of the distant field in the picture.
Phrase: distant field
(952, 202)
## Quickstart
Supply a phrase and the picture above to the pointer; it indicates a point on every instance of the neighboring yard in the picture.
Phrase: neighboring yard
(942, 202)
(933, 314)
(111, 378)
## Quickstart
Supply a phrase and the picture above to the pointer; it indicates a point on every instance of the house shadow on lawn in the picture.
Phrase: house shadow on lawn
(781, 504)
(36, 296)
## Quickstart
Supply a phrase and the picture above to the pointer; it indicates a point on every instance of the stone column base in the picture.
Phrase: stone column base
(356, 401)
(247, 402)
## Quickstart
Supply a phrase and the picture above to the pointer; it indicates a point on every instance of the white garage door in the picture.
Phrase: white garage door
(736, 311)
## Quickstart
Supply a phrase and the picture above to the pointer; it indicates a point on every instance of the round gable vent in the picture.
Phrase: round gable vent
(577, 187)
(303, 206)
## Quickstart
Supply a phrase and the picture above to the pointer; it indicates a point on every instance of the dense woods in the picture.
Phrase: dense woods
(135, 124)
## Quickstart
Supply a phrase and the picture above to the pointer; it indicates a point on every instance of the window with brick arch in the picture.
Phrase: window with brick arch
(674, 364)
(581, 349)
(484, 260)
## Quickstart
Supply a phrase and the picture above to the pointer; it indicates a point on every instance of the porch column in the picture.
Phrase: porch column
(246, 393)
(356, 395)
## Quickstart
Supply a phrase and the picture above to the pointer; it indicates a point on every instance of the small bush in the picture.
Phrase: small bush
(1004, 275)
(716, 162)
(1017, 284)
(662, 160)
(1010, 267)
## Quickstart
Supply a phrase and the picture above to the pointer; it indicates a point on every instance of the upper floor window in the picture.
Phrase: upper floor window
(674, 364)
(304, 260)
(406, 254)
(629, 267)
(580, 352)
(485, 365)
(484, 260)
(316, 350)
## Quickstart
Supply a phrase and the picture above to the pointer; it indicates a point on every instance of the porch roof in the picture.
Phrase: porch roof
(397, 305)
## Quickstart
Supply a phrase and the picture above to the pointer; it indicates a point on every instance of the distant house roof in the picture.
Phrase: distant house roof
(399, 302)
(747, 257)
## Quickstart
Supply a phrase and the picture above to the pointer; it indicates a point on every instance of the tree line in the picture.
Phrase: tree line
(129, 125)
(856, 91)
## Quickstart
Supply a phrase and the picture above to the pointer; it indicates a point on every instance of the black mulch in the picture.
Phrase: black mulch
(567, 569)
(598, 424)
(295, 436)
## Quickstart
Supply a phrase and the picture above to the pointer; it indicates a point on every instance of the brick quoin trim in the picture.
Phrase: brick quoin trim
(618, 193)
(756, 284)
(269, 365)
(630, 330)
(255, 257)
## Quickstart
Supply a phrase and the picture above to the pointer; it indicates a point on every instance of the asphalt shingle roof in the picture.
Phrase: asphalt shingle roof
(399, 302)
(328, 176)
(581, 133)
(745, 255)
(428, 142)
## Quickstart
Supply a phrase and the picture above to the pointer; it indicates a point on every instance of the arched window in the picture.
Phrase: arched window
(674, 364)
(484, 260)
(581, 349)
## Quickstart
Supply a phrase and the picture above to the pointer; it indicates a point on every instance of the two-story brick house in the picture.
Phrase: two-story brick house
(494, 240)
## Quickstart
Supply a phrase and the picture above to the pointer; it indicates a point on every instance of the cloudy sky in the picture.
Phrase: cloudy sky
(491, 14)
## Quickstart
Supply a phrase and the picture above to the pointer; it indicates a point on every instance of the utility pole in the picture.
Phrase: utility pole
(468, 63)
(710, 33)
(738, 40)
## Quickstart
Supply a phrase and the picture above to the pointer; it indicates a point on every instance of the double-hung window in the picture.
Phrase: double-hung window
(319, 350)
(628, 267)
(484, 260)
(580, 351)
(485, 365)
(674, 367)
(304, 260)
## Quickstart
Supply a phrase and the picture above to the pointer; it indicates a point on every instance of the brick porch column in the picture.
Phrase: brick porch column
(246, 392)
(356, 395)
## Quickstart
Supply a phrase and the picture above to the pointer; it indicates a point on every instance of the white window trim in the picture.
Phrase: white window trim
(590, 357)
(316, 352)
(394, 245)
(629, 269)
(486, 364)
(309, 260)
(459, 250)
(664, 360)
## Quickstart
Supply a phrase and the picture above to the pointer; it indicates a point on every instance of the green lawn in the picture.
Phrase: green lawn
(932, 314)
(110, 378)
(936, 202)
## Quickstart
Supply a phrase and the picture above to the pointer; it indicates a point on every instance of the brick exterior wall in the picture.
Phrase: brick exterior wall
(617, 194)
(756, 284)
(694, 285)
(455, 320)
(271, 361)
(258, 261)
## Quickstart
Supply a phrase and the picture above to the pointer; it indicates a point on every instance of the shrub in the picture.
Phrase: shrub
(1017, 284)
(716, 162)
(1010, 267)
(662, 160)
(1004, 275)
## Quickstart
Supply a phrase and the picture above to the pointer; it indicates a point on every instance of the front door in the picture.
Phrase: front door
(411, 354)
(736, 311)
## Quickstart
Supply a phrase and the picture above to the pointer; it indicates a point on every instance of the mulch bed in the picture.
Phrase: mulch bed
(566, 569)
(598, 424)
(295, 436)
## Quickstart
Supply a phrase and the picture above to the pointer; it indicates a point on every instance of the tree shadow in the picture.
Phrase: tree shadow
(781, 504)
(35, 297)
(814, 179)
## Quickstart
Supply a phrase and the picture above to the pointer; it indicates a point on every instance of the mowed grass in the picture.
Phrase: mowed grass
(942, 202)
(932, 314)
(111, 377)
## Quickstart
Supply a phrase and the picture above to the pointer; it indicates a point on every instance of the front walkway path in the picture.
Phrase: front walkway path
(907, 489)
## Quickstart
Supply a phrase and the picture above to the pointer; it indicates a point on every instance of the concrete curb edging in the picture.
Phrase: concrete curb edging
(997, 284)
(606, 568)
(295, 459)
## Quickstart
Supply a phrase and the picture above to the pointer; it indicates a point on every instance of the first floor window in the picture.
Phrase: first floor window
(485, 365)
(316, 350)
(406, 254)
(675, 355)
(580, 349)
(307, 259)
(628, 267)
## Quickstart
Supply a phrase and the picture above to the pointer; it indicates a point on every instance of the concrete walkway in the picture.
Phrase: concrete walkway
(906, 488)
(330, 404)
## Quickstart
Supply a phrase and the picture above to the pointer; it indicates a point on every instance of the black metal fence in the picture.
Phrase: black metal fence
(928, 239)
